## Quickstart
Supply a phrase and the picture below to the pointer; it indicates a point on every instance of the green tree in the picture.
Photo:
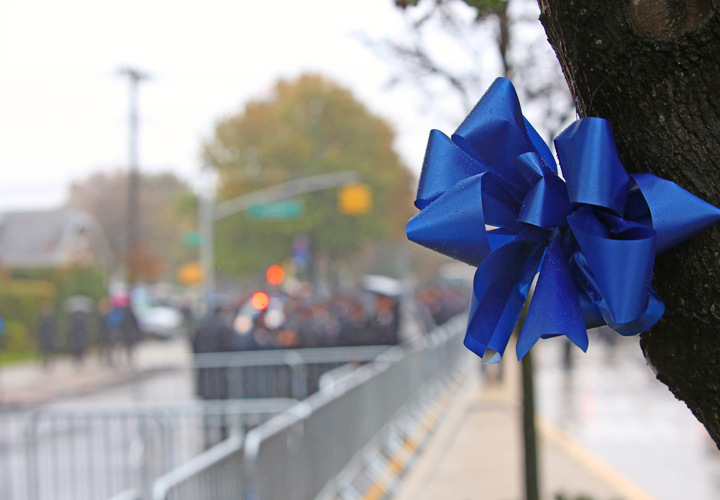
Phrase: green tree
(307, 126)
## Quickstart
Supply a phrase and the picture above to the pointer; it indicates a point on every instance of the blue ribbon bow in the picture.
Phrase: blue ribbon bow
(592, 236)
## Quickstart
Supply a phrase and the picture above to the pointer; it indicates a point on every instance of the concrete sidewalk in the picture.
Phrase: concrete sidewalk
(477, 454)
(28, 383)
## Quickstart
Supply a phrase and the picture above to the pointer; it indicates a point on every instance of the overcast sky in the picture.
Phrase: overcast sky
(63, 108)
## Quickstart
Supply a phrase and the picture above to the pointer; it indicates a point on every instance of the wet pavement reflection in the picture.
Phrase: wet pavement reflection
(609, 400)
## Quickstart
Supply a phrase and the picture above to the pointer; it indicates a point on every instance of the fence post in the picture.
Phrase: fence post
(145, 481)
(31, 457)
(532, 491)
(529, 434)
(299, 372)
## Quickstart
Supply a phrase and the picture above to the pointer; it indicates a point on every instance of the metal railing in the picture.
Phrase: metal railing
(215, 474)
(131, 494)
(95, 454)
(256, 374)
(295, 455)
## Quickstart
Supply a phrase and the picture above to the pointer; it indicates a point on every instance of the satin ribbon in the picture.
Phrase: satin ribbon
(491, 196)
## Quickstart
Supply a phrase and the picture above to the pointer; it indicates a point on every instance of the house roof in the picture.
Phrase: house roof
(45, 238)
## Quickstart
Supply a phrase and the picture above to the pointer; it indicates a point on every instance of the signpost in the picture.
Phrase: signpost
(287, 209)
(192, 239)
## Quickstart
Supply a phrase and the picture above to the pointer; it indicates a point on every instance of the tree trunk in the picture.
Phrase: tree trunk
(652, 68)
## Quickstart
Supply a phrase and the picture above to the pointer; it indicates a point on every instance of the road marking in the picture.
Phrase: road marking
(628, 489)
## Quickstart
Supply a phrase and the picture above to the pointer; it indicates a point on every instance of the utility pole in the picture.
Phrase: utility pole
(207, 236)
(135, 76)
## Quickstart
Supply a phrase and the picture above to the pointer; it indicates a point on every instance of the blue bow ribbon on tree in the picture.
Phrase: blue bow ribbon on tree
(592, 237)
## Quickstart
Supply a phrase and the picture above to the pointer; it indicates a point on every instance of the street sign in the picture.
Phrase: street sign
(192, 239)
(286, 209)
(300, 252)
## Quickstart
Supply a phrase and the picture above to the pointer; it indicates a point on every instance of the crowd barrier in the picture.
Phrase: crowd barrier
(255, 374)
(297, 454)
(95, 454)
(118, 451)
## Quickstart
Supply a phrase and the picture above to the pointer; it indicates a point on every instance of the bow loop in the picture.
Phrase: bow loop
(444, 165)
(677, 215)
(555, 307)
(591, 166)
(500, 287)
(540, 146)
(454, 223)
(546, 205)
(494, 133)
(619, 255)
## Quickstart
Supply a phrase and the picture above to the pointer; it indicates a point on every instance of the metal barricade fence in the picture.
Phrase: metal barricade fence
(256, 374)
(295, 454)
(95, 454)
(328, 429)
(217, 474)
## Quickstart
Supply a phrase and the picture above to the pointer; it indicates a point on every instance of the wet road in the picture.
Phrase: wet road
(611, 403)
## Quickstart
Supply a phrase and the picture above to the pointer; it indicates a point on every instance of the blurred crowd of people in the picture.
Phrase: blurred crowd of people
(300, 321)
(259, 321)
(439, 303)
(112, 326)
(264, 321)
(304, 320)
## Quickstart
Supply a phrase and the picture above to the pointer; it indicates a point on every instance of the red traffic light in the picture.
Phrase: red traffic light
(275, 275)
(260, 300)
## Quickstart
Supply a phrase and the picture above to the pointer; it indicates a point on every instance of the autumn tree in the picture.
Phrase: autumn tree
(167, 212)
(306, 126)
(651, 68)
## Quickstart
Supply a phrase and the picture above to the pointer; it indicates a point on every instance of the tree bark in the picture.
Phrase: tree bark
(652, 68)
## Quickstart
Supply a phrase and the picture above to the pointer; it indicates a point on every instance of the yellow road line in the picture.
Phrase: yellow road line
(628, 489)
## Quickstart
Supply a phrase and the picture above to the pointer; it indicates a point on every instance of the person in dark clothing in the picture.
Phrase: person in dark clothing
(188, 322)
(387, 320)
(105, 333)
(78, 335)
(130, 333)
(213, 335)
(47, 333)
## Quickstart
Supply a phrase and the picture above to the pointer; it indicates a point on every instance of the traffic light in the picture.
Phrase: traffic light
(275, 275)
(355, 199)
(260, 300)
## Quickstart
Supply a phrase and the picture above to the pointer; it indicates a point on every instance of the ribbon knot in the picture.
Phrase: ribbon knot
(491, 196)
